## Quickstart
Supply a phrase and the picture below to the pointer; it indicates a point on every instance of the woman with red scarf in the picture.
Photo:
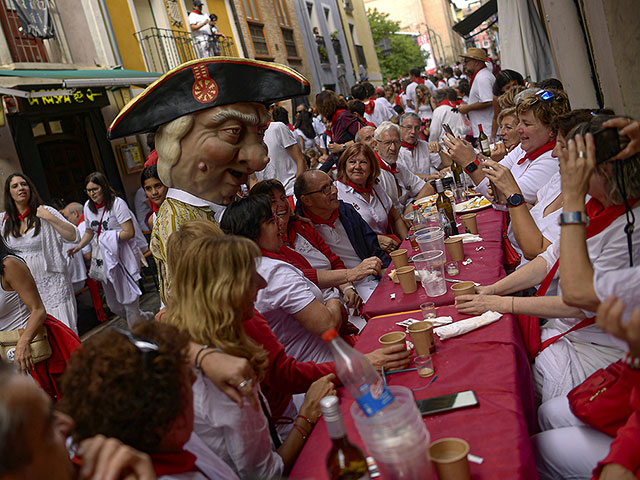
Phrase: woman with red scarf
(358, 171)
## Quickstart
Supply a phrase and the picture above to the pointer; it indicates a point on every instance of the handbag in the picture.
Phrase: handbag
(603, 400)
(40, 347)
(96, 269)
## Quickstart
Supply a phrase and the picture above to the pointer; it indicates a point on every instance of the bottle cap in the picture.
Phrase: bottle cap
(330, 407)
(329, 335)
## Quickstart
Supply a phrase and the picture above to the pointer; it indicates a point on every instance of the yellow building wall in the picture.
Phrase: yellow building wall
(361, 22)
(224, 23)
(124, 30)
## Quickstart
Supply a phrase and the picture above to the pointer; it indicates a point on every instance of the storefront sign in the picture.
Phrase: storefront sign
(34, 18)
(80, 98)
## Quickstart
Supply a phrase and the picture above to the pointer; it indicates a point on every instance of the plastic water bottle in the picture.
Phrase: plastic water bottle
(358, 375)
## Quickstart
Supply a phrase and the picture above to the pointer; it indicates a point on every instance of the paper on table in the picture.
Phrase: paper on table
(468, 325)
(468, 237)
(436, 321)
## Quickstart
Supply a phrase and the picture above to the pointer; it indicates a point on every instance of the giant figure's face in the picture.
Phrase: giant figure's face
(224, 146)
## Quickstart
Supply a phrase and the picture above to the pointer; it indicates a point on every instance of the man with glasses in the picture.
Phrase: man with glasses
(339, 224)
(399, 182)
(414, 153)
(481, 80)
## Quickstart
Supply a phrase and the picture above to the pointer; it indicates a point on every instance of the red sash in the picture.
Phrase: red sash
(290, 256)
(409, 146)
(384, 166)
(370, 106)
(473, 77)
(446, 101)
(357, 188)
(537, 152)
(419, 80)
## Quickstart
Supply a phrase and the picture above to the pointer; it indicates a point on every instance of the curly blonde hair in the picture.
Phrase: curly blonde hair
(544, 110)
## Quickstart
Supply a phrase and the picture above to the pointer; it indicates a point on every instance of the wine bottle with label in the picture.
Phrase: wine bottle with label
(345, 461)
(443, 204)
(483, 141)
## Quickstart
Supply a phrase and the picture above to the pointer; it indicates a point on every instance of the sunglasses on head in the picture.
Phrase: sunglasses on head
(147, 347)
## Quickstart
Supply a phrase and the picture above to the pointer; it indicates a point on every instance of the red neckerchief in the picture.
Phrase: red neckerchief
(171, 463)
(370, 106)
(384, 166)
(290, 126)
(321, 221)
(398, 100)
(99, 205)
(446, 101)
(80, 220)
(409, 146)
(357, 188)
(336, 115)
(601, 217)
(24, 215)
(195, 11)
(537, 152)
(154, 208)
(289, 256)
(419, 80)
(473, 77)
(370, 124)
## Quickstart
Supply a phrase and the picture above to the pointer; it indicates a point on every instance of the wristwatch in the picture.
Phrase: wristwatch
(473, 166)
(573, 218)
(515, 200)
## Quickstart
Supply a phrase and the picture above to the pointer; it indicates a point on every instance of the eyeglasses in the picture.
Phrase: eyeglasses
(147, 347)
(415, 128)
(92, 190)
(326, 190)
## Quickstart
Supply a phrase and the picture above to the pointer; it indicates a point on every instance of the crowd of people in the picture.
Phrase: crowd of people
(268, 233)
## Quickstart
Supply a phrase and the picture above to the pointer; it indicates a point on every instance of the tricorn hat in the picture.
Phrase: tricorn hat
(476, 54)
(206, 83)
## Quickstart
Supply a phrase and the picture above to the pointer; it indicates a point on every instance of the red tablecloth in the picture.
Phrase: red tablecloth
(486, 268)
(490, 361)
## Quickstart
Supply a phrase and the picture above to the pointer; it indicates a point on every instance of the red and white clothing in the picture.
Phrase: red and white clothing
(375, 211)
(481, 91)
(570, 360)
(281, 165)
(445, 114)
(383, 111)
(417, 159)
(623, 283)
(425, 112)
(400, 183)
(287, 292)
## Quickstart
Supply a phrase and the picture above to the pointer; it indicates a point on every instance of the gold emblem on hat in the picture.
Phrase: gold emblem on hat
(205, 89)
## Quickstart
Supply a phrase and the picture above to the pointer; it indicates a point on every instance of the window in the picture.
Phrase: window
(281, 13)
(259, 41)
(251, 9)
(285, 27)
(289, 42)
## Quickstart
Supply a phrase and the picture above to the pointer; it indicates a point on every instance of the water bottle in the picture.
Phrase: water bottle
(358, 375)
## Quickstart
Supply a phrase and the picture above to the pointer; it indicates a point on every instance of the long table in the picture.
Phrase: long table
(486, 267)
(492, 362)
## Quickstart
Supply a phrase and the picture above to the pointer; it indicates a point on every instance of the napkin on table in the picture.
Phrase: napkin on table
(468, 325)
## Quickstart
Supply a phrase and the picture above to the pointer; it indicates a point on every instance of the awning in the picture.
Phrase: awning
(79, 78)
(471, 22)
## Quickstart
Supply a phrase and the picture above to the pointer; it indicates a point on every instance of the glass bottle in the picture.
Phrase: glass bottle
(483, 141)
(443, 204)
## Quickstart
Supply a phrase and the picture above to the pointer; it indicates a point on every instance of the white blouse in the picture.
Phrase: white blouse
(375, 211)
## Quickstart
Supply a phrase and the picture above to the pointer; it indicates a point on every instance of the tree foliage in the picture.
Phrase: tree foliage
(405, 52)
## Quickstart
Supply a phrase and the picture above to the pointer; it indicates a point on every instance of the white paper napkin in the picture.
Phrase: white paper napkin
(468, 325)
(468, 237)
(437, 322)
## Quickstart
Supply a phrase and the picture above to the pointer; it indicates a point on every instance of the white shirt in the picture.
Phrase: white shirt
(445, 114)
(287, 292)
(410, 94)
(375, 211)
(410, 185)
(531, 175)
(418, 159)
(196, 19)
(382, 111)
(239, 436)
(75, 263)
(318, 125)
(452, 82)
(307, 142)
(623, 283)
(281, 166)
(425, 112)
(210, 466)
(482, 91)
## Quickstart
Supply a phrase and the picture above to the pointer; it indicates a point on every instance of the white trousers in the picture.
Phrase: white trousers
(567, 448)
(130, 312)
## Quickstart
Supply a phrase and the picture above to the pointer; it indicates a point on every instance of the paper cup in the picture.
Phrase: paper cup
(400, 258)
(422, 337)
(393, 338)
(449, 456)
(463, 288)
(455, 249)
(470, 223)
(407, 278)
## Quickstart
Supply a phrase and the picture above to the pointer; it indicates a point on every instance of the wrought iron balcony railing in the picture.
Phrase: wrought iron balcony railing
(164, 49)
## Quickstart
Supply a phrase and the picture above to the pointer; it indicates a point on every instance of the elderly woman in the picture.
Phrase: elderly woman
(358, 171)
(108, 218)
(573, 357)
(216, 284)
(136, 387)
(307, 251)
(532, 165)
(37, 232)
(293, 305)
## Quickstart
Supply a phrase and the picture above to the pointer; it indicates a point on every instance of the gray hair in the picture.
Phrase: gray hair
(408, 115)
(168, 138)
(384, 127)
(357, 138)
(75, 207)
(440, 95)
(14, 448)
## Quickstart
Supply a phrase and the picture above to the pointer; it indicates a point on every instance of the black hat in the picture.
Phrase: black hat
(197, 3)
(206, 83)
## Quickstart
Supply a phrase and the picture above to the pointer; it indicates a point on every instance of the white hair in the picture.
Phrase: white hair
(168, 138)
(385, 126)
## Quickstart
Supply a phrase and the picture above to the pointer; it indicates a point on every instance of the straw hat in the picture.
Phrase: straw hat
(476, 54)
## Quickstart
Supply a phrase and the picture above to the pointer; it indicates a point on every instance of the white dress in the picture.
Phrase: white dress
(14, 314)
(46, 260)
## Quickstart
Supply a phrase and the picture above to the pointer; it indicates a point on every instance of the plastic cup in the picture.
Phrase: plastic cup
(422, 337)
(400, 258)
(455, 249)
(407, 279)
(463, 288)
(428, 310)
(424, 365)
(432, 272)
(393, 338)
(430, 238)
(449, 456)
(452, 268)
(470, 223)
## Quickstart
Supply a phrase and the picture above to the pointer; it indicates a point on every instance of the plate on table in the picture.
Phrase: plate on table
(430, 200)
(470, 206)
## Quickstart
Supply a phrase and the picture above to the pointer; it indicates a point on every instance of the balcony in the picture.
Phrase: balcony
(164, 49)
